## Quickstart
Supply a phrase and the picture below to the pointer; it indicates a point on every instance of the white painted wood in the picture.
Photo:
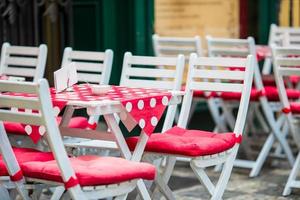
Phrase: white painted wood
(92, 67)
(275, 129)
(15, 61)
(172, 46)
(46, 117)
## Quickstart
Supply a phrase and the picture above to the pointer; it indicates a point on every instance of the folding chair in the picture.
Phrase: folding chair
(286, 62)
(172, 46)
(266, 97)
(280, 36)
(92, 67)
(143, 71)
(204, 148)
(22, 61)
(84, 177)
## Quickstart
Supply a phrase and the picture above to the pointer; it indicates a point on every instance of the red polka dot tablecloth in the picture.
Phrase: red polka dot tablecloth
(262, 52)
(142, 106)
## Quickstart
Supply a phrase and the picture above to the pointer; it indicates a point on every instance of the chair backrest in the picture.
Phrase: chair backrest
(283, 36)
(241, 48)
(92, 67)
(154, 72)
(38, 100)
(23, 61)
(286, 63)
(202, 75)
(172, 46)
(143, 71)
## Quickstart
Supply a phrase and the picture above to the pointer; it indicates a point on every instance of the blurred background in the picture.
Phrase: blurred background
(127, 25)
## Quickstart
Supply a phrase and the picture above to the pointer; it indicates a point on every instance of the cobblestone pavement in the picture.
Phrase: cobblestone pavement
(269, 185)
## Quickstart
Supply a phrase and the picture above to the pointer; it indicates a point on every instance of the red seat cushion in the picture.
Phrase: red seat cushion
(92, 170)
(254, 95)
(25, 155)
(295, 107)
(18, 128)
(76, 122)
(184, 142)
(270, 92)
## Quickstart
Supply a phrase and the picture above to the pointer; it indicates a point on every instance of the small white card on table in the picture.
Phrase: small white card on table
(65, 77)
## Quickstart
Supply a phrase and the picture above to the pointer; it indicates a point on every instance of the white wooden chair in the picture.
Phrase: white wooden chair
(201, 146)
(85, 177)
(266, 97)
(280, 36)
(23, 61)
(92, 67)
(143, 71)
(286, 64)
(171, 47)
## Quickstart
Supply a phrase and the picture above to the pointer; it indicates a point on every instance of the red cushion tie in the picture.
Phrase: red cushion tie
(17, 176)
(286, 110)
(71, 182)
(92, 126)
(238, 139)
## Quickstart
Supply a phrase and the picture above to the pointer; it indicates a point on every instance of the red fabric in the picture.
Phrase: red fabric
(201, 94)
(295, 107)
(76, 122)
(71, 182)
(263, 51)
(254, 95)
(92, 126)
(17, 176)
(239, 139)
(270, 92)
(187, 142)
(286, 110)
(25, 155)
(92, 170)
(18, 129)
(142, 105)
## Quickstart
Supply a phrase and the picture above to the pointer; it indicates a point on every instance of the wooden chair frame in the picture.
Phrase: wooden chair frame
(23, 61)
(277, 127)
(286, 66)
(195, 75)
(92, 67)
(45, 117)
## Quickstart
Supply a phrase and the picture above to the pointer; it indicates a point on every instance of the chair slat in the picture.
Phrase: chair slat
(20, 71)
(287, 71)
(288, 61)
(83, 55)
(216, 86)
(219, 74)
(230, 52)
(90, 78)
(221, 62)
(16, 87)
(21, 61)
(155, 73)
(22, 117)
(22, 50)
(89, 67)
(20, 102)
(144, 60)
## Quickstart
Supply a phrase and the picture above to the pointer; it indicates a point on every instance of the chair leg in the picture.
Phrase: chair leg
(224, 177)
(58, 192)
(203, 178)
(4, 193)
(121, 197)
(292, 177)
(166, 174)
(262, 156)
(22, 190)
